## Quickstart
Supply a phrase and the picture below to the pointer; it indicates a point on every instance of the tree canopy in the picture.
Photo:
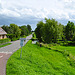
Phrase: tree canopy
(69, 30)
(52, 31)
(24, 30)
(29, 28)
(15, 31)
(49, 31)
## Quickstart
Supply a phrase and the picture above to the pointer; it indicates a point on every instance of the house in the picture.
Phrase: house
(2, 34)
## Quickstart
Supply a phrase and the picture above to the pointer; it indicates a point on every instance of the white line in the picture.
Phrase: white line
(1, 56)
(6, 52)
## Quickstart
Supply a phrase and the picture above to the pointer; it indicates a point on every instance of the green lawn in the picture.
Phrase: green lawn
(5, 45)
(39, 61)
(70, 49)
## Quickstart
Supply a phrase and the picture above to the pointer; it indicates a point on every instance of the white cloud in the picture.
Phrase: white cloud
(9, 13)
(36, 10)
(67, 0)
(0, 1)
(42, 13)
(24, 11)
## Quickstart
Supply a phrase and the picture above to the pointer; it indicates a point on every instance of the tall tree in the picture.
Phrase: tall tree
(50, 31)
(47, 32)
(61, 32)
(6, 28)
(29, 28)
(69, 30)
(14, 29)
(38, 30)
(24, 30)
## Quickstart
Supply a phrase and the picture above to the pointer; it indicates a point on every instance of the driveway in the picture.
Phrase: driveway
(7, 51)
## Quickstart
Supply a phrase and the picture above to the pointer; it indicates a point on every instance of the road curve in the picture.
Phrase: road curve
(7, 51)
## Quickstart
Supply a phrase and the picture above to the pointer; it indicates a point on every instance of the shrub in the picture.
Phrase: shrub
(13, 37)
(3, 41)
(71, 43)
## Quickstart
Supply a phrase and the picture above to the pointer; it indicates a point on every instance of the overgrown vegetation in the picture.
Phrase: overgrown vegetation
(38, 60)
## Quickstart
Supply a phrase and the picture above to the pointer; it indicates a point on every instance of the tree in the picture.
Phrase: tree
(38, 30)
(69, 30)
(47, 32)
(29, 28)
(50, 31)
(61, 32)
(14, 29)
(24, 30)
(6, 28)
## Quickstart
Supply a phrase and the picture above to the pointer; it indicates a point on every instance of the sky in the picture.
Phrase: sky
(23, 12)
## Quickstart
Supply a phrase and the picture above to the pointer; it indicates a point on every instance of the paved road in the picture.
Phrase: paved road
(6, 52)
(14, 46)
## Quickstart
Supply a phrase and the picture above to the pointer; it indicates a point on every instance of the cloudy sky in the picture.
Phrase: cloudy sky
(23, 12)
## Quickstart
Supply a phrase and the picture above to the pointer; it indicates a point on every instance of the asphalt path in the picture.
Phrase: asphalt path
(7, 51)
(14, 46)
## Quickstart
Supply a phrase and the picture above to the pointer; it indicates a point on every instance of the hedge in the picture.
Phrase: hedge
(3, 41)
(13, 37)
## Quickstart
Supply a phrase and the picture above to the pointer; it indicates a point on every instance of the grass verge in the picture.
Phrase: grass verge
(5, 45)
(38, 61)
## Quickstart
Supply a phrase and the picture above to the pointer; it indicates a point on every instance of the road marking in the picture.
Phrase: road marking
(6, 52)
(1, 56)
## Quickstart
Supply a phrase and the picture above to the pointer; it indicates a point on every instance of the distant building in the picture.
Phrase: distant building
(2, 34)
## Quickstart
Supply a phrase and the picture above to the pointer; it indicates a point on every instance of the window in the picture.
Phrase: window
(2, 36)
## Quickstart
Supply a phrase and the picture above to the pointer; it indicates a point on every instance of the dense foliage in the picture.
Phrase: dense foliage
(3, 41)
(14, 31)
(52, 31)
(49, 31)
(70, 31)
(29, 28)
(25, 30)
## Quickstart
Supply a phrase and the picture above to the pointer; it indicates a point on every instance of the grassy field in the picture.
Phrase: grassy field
(39, 61)
(70, 49)
(5, 45)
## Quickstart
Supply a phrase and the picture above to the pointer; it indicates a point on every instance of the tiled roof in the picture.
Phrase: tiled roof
(2, 31)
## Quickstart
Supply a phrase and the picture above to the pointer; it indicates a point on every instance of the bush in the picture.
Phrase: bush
(3, 41)
(62, 43)
(12, 37)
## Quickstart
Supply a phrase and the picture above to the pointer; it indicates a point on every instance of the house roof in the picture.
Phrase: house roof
(2, 31)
